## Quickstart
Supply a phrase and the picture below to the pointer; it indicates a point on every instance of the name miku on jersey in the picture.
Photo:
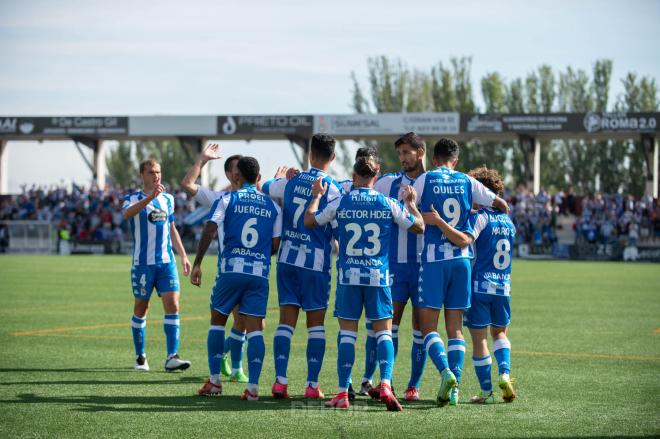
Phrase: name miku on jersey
(303, 247)
(151, 229)
(494, 236)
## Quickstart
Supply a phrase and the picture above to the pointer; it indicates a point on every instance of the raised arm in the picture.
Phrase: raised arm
(135, 208)
(188, 183)
(179, 249)
(456, 237)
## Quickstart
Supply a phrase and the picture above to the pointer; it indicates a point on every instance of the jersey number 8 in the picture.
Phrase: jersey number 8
(502, 259)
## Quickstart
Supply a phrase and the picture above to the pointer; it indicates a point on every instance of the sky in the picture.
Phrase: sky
(264, 57)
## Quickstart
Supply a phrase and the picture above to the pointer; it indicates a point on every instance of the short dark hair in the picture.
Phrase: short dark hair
(230, 159)
(249, 169)
(323, 146)
(367, 151)
(366, 167)
(413, 139)
(446, 150)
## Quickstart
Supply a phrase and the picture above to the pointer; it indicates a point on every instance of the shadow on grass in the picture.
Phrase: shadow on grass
(168, 404)
(72, 369)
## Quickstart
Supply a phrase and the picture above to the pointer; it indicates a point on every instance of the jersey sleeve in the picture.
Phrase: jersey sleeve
(328, 213)
(206, 196)
(334, 191)
(170, 206)
(419, 188)
(480, 193)
(277, 226)
(274, 187)
(383, 184)
(218, 210)
(400, 214)
(127, 202)
(475, 224)
(346, 185)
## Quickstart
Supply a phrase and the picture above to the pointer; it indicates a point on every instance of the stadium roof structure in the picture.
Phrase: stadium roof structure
(528, 129)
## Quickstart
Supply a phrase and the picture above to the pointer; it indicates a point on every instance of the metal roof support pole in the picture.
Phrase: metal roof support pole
(4, 167)
(537, 165)
(99, 163)
(304, 144)
(650, 148)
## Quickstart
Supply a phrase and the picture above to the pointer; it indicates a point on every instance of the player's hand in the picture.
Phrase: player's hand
(292, 172)
(501, 205)
(196, 276)
(432, 217)
(159, 189)
(211, 152)
(281, 172)
(319, 188)
(186, 266)
(409, 195)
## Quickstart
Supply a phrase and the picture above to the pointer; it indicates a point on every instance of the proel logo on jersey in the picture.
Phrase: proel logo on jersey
(157, 217)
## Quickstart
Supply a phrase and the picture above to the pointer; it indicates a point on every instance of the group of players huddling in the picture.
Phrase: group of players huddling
(439, 238)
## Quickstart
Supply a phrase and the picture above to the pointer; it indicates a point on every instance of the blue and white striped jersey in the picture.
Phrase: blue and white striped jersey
(151, 229)
(451, 193)
(249, 221)
(405, 246)
(494, 234)
(303, 247)
(347, 185)
(365, 221)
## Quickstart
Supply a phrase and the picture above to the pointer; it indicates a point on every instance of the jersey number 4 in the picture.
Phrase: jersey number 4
(373, 238)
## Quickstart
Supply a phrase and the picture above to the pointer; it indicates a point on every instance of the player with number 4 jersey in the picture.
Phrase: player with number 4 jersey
(444, 279)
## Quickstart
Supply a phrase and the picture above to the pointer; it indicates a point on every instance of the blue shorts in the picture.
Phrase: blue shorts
(249, 292)
(445, 284)
(163, 277)
(405, 283)
(376, 301)
(488, 310)
(306, 289)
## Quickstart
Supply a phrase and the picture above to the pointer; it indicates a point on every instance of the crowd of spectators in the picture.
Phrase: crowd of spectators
(94, 215)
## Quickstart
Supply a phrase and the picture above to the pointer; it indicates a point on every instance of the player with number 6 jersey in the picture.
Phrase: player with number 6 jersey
(250, 224)
(444, 279)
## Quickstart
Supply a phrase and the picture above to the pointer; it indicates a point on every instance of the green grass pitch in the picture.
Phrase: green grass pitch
(586, 357)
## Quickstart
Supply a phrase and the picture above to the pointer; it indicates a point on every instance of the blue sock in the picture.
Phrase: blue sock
(281, 351)
(236, 341)
(502, 352)
(482, 369)
(139, 329)
(395, 339)
(345, 358)
(256, 351)
(385, 355)
(371, 354)
(215, 341)
(436, 350)
(171, 328)
(456, 356)
(227, 345)
(315, 353)
(418, 359)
